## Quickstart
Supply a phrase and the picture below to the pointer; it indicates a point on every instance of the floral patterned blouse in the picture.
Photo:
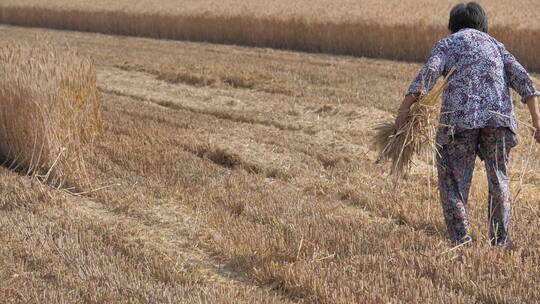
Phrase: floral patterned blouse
(484, 72)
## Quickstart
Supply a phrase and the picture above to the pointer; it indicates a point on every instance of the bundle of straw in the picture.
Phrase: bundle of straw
(49, 112)
(417, 135)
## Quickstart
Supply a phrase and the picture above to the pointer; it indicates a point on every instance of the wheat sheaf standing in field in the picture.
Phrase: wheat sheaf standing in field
(416, 137)
(50, 111)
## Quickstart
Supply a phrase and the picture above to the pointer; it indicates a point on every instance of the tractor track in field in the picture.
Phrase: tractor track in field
(166, 103)
(171, 236)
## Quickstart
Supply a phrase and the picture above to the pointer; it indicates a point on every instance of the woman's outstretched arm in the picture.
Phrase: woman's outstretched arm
(518, 78)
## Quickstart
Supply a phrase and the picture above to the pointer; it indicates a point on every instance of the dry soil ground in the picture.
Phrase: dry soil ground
(244, 175)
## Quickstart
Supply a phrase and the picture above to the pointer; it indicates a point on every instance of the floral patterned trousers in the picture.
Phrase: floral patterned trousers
(455, 169)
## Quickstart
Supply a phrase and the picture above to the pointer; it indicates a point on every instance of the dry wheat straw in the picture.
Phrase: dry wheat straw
(417, 135)
(49, 112)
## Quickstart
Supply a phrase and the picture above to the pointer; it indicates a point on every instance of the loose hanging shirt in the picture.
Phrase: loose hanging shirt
(479, 86)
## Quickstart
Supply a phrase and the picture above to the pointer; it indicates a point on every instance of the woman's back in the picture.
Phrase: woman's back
(479, 86)
(474, 54)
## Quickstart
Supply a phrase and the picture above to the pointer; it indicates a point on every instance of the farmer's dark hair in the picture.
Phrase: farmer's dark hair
(468, 15)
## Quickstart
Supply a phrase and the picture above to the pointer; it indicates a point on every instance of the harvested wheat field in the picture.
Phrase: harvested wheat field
(228, 174)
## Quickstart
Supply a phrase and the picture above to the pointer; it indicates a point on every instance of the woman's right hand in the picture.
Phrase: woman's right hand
(403, 110)
(400, 120)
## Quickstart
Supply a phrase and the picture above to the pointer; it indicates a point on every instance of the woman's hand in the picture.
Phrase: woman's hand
(403, 110)
(400, 119)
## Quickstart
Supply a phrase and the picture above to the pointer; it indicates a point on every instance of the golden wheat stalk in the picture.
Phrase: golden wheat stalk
(417, 135)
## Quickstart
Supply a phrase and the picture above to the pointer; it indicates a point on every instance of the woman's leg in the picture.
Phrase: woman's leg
(494, 146)
(455, 168)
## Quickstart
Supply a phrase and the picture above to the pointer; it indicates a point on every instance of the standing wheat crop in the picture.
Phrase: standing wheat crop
(49, 112)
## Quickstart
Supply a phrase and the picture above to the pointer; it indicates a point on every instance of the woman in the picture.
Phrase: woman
(478, 89)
